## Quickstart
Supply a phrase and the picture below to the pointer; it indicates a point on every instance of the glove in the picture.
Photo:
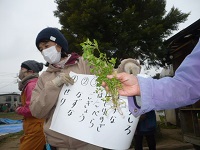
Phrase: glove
(61, 79)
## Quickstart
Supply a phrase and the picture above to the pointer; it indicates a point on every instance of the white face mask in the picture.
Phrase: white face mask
(51, 55)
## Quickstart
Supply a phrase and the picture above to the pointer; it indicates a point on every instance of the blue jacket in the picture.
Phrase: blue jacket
(168, 93)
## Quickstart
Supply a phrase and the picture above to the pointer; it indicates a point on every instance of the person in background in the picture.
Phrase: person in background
(33, 138)
(5, 108)
(54, 48)
(147, 123)
(146, 128)
(13, 108)
(165, 93)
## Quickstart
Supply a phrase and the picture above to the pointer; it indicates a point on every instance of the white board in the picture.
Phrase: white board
(80, 113)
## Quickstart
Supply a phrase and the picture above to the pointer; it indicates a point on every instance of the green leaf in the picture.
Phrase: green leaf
(102, 67)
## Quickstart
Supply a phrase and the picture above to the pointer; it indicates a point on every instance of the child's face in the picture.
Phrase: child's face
(47, 44)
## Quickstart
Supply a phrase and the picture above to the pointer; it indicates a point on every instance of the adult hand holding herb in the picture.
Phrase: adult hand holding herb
(130, 85)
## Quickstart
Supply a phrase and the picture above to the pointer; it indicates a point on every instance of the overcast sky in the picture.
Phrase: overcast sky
(21, 20)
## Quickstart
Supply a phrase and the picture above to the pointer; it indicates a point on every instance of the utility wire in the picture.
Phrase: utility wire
(13, 82)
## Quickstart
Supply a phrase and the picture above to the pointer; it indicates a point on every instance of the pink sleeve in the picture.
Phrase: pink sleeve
(24, 110)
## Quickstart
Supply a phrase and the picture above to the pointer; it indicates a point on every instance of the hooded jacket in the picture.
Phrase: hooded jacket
(45, 97)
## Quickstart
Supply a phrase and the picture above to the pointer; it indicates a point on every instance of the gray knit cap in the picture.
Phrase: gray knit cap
(32, 65)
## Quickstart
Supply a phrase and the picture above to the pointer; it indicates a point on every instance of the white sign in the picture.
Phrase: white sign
(80, 113)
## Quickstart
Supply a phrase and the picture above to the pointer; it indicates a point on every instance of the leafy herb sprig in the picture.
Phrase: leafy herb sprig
(101, 67)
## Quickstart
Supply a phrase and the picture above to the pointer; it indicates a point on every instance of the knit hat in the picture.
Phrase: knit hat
(32, 65)
(52, 34)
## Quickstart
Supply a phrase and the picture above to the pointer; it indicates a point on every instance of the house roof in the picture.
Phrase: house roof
(190, 32)
(9, 94)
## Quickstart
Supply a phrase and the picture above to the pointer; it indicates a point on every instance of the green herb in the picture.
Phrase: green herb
(101, 67)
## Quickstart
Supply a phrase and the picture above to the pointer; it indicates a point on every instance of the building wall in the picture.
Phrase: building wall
(12, 100)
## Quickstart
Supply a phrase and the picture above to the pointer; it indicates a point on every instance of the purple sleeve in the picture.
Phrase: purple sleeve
(168, 93)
